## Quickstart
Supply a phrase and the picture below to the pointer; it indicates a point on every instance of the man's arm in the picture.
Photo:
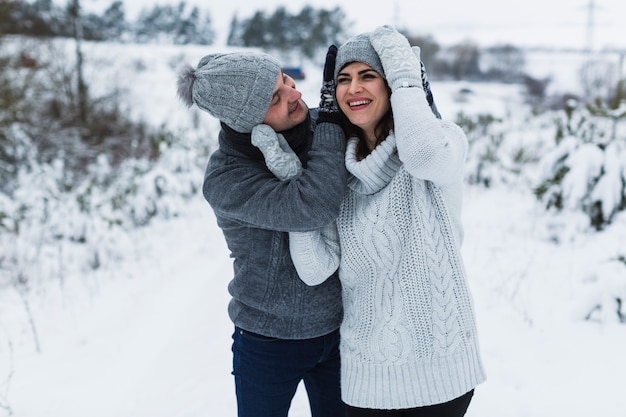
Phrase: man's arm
(246, 191)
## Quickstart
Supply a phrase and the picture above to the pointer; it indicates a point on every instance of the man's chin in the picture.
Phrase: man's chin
(300, 114)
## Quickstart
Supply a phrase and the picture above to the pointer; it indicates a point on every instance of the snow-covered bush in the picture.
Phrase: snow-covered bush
(586, 171)
(499, 150)
(55, 229)
(603, 292)
(67, 189)
(39, 123)
(483, 159)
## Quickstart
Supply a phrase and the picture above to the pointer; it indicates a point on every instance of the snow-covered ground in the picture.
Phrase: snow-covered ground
(150, 336)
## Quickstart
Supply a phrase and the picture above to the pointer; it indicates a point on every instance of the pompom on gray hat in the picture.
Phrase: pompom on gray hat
(236, 88)
(358, 49)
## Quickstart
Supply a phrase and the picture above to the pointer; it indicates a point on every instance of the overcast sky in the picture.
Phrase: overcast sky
(560, 23)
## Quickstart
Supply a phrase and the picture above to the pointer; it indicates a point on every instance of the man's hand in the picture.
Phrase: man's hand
(279, 157)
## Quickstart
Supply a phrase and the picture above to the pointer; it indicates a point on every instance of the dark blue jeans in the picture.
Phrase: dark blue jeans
(267, 373)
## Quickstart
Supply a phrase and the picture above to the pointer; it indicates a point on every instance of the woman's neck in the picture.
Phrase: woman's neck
(370, 140)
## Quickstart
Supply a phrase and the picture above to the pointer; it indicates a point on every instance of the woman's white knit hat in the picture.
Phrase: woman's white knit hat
(358, 49)
(236, 88)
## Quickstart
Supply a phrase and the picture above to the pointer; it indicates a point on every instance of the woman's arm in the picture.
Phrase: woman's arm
(429, 147)
(315, 254)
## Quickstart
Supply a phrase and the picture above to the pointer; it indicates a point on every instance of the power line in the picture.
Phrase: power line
(591, 8)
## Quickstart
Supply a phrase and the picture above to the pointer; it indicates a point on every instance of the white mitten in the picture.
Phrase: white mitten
(279, 157)
(401, 63)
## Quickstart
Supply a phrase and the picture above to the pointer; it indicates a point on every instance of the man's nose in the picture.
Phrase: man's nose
(294, 95)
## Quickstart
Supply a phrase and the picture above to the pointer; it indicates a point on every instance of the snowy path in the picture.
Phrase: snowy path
(153, 340)
(143, 344)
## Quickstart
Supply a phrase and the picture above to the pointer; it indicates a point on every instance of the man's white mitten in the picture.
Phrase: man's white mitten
(279, 157)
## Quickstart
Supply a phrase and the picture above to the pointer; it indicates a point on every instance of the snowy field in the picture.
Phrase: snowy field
(149, 336)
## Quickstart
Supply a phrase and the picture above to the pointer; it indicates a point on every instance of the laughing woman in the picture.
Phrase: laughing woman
(409, 343)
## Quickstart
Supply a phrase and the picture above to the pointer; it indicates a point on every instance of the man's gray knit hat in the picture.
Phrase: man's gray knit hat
(358, 49)
(236, 88)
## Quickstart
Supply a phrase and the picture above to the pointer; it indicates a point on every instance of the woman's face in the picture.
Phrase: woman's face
(362, 96)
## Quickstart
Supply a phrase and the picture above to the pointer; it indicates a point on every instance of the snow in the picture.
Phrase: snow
(147, 334)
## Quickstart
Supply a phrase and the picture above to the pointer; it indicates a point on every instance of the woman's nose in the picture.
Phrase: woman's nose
(355, 86)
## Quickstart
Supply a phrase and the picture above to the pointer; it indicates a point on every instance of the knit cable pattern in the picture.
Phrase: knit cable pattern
(408, 335)
(445, 328)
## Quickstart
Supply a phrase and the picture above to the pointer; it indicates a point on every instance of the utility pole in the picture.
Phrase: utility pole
(396, 16)
(591, 8)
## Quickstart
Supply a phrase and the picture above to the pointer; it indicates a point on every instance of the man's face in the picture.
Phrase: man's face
(286, 108)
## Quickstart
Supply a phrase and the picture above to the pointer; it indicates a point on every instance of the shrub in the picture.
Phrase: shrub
(586, 171)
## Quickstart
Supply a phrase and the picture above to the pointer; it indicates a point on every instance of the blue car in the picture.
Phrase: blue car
(294, 72)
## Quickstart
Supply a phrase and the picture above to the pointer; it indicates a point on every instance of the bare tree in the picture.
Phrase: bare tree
(81, 87)
(465, 60)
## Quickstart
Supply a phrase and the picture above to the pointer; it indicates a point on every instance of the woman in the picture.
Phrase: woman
(409, 345)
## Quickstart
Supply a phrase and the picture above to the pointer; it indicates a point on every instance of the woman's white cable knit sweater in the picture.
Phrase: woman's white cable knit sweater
(408, 337)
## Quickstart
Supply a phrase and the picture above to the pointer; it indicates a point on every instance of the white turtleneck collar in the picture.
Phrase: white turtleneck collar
(373, 173)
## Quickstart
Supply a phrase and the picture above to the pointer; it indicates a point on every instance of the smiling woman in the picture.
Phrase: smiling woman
(397, 240)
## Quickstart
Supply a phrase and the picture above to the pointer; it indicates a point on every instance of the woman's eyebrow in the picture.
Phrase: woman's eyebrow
(363, 71)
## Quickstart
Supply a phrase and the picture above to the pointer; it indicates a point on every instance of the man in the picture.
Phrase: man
(285, 331)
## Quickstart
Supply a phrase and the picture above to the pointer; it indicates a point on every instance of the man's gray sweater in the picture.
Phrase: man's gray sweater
(256, 210)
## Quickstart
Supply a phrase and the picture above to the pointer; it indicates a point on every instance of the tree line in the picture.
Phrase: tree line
(178, 24)
(305, 32)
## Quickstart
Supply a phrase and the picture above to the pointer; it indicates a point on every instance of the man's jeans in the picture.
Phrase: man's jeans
(267, 373)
